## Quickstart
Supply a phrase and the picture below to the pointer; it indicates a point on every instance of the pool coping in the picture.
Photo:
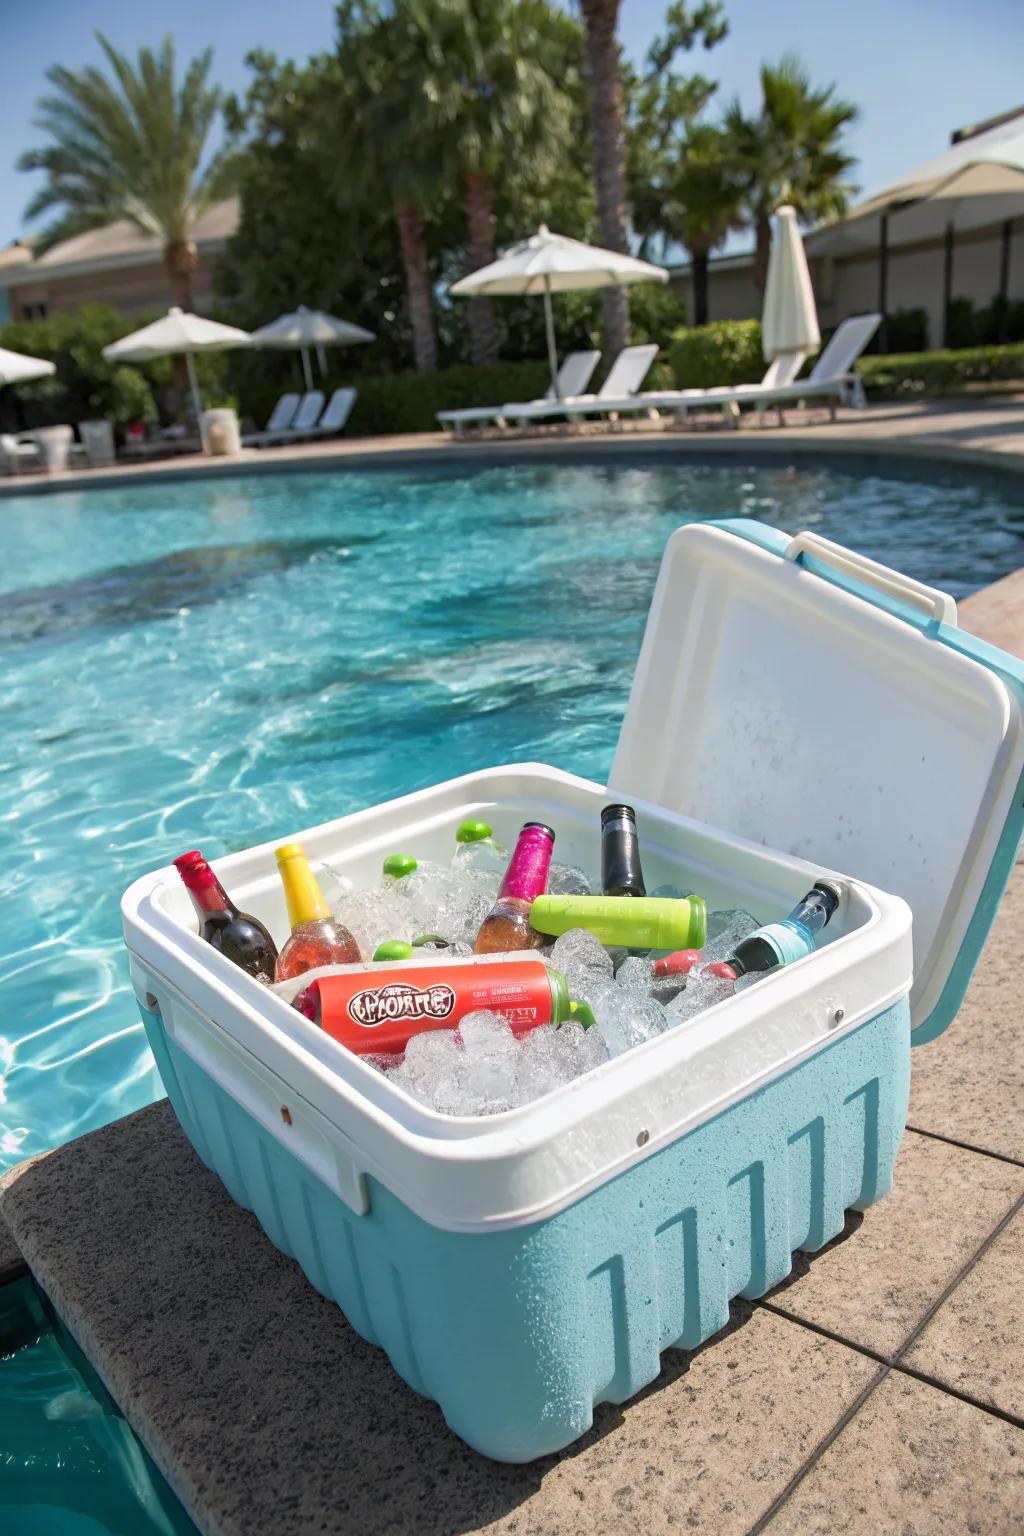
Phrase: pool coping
(856, 440)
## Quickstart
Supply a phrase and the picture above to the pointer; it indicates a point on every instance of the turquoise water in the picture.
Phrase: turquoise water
(69, 1464)
(216, 663)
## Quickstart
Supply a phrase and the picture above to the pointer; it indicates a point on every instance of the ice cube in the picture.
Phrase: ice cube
(484, 857)
(623, 1018)
(452, 902)
(582, 960)
(375, 915)
(703, 989)
(568, 880)
(725, 930)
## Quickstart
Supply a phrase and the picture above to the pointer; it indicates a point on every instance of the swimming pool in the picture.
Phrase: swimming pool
(217, 662)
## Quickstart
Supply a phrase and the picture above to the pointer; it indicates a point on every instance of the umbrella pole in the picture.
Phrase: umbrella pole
(307, 371)
(549, 326)
(321, 357)
(197, 399)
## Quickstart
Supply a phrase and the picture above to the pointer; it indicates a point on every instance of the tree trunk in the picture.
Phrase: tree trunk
(483, 342)
(419, 295)
(762, 250)
(699, 273)
(608, 133)
(181, 259)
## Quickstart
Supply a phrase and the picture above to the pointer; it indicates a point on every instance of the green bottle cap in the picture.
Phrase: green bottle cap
(472, 831)
(393, 949)
(434, 940)
(582, 1013)
(399, 864)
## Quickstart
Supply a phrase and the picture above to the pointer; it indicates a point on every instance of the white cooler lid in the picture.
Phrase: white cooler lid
(798, 695)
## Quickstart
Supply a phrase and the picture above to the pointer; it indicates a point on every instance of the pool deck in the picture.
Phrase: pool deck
(987, 430)
(879, 1389)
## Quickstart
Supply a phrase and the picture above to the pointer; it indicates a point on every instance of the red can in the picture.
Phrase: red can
(376, 1010)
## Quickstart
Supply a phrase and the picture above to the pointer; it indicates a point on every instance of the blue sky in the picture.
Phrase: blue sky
(917, 68)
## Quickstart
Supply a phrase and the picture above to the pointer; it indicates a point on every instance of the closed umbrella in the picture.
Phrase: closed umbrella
(789, 322)
(547, 264)
(304, 328)
(178, 331)
(16, 368)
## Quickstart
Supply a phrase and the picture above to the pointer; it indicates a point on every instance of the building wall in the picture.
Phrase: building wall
(849, 286)
(131, 289)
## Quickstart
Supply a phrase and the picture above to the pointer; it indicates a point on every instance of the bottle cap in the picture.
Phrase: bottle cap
(399, 864)
(581, 1012)
(541, 826)
(393, 949)
(288, 851)
(681, 963)
(722, 968)
(831, 893)
(472, 831)
(616, 812)
(429, 941)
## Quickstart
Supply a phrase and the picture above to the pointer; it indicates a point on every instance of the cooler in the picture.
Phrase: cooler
(796, 710)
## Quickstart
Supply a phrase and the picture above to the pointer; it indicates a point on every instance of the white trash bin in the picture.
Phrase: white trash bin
(55, 446)
(220, 431)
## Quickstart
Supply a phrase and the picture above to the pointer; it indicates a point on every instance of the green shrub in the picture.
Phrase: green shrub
(961, 324)
(85, 386)
(939, 373)
(906, 330)
(724, 352)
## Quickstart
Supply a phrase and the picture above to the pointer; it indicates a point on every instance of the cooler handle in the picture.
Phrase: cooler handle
(938, 606)
(285, 1115)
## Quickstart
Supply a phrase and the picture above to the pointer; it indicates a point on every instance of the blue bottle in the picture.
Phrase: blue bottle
(782, 943)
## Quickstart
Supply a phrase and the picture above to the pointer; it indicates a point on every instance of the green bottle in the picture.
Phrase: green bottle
(638, 922)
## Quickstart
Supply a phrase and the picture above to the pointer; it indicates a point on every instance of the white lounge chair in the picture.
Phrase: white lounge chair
(831, 380)
(20, 452)
(339, 409)
(280, 418)
(306, 418)
(575, 374)
(616, 394)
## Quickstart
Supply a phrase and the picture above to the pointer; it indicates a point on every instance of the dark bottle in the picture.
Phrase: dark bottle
(507, 925)
(782, 943)
(235, 934)
(621, 874)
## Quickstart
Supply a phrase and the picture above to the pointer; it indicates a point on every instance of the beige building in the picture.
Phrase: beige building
(116, 265)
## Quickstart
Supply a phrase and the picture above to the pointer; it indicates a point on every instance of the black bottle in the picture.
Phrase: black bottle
(621, 874)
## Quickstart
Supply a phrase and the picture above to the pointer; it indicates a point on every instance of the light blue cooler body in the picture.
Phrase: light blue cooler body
(518, 1326)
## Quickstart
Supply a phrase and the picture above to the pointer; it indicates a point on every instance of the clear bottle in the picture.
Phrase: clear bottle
(234, 934)
(477, 850)
(316, 938)
(781, 943)
(507, 926)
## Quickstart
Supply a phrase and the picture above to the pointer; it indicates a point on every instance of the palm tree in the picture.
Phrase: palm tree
(697, 203)
(492, 81)
(791, 152)
(131, 147)
(607, 128)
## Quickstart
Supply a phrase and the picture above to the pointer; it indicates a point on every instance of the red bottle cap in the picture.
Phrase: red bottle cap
(721, 968)
(194, 870)
(680, 963)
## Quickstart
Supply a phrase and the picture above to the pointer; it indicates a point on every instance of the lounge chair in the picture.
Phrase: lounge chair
(20, 452)
(616, 394)
(575, 374)
(306, 418)
(280, 417)
(339, 409)
(831, 380)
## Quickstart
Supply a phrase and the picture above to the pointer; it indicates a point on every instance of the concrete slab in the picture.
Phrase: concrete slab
(996, 613)
(876, 1287)
(975, 1342)
(916, 1462)
(269, 1415)
(969, 1084)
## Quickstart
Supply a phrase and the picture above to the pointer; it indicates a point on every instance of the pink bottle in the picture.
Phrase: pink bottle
(507, 926)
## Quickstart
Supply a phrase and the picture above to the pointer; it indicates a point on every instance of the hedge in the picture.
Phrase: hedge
(939, 373)
(725, 352)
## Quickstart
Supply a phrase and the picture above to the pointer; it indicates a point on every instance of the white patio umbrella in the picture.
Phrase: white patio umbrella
(16, 368)
(304, 328)
(789, 321)
(547, 264)
(178, 331)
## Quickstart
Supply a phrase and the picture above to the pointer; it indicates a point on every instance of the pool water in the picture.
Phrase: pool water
(69, 1464)
(215, 663)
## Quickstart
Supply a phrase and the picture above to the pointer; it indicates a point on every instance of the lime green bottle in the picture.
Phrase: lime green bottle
(638, 922)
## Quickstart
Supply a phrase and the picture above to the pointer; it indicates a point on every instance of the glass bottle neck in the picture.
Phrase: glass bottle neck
(303, 895)
(206, 891)
(527, 875)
